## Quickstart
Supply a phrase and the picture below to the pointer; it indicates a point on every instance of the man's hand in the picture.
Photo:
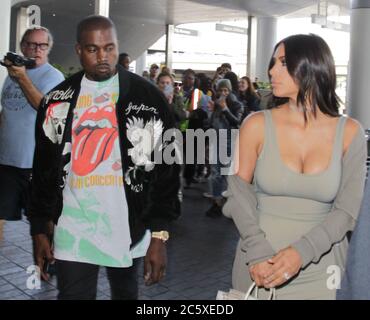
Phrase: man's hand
(259, 271)
(14, 71)
(42, 251)
(286, 264)
(33, 95)
(155, 262)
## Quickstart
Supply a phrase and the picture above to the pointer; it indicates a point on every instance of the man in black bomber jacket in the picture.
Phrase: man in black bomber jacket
(93, 177)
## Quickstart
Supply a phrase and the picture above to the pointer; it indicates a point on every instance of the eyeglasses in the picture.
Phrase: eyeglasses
(34, 45)
(177, 84)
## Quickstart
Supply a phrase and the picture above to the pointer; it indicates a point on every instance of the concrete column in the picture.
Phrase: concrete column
(252, 47)
(102, 7)
(266, 40)
(22, 25)
(359, 65)
(170, 30)
(141, 64)
(5, 14)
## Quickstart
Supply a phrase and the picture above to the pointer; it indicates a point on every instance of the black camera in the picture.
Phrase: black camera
(19, 61)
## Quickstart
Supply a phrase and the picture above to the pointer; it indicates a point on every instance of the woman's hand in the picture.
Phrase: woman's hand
(285, 265)
(259, 271)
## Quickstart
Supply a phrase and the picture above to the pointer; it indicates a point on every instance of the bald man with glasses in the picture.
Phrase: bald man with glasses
(21, 95)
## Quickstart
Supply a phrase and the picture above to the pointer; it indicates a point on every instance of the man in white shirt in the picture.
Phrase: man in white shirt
(110, 208)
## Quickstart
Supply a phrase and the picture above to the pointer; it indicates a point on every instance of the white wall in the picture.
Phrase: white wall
(5, 32)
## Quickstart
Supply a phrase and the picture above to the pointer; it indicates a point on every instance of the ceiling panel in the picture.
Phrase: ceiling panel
(140, 23)
(182, 11)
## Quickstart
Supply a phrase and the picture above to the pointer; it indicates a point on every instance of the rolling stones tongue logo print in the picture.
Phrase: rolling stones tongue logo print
(93, 139)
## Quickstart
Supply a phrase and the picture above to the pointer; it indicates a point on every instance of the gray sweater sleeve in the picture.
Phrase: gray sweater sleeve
(241, 206)
(346, 206)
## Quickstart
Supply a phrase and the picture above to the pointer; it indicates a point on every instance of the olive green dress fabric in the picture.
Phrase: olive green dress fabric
(308, 211)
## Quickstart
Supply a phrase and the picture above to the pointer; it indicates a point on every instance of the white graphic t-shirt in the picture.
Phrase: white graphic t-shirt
(93, 227)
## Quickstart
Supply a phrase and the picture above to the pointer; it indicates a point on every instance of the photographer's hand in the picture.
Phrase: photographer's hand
(19, 74)
(15, 72)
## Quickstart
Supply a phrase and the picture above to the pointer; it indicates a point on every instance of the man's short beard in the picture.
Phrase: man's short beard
(102, 77)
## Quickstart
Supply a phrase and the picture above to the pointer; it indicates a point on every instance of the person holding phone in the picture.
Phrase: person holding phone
(165, 83)
(226, 113)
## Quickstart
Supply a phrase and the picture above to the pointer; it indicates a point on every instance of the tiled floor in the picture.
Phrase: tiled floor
(200, 255)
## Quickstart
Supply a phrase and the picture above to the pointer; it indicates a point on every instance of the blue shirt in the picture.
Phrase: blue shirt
(18, 117)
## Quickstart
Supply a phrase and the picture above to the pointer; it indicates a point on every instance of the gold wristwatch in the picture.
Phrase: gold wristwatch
(162, 235)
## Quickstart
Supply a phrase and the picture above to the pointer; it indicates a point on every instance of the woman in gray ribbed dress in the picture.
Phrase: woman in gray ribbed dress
(295, 155)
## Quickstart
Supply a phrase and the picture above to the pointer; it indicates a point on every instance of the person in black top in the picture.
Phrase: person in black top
(248, 96)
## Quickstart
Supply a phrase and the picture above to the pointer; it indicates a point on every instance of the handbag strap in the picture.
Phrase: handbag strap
(253, 286)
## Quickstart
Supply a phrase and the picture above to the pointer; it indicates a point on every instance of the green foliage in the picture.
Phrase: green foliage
(264, 85)
(66, 73)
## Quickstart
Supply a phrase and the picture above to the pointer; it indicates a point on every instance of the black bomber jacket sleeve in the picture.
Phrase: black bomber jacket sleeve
(162, 203)
(44, 186)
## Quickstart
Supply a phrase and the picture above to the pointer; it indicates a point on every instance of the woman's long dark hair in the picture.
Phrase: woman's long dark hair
(311, 64)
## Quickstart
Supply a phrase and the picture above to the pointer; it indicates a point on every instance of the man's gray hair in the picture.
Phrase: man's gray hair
(36, 28)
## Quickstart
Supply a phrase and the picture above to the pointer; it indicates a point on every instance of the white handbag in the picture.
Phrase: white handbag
(238, 295)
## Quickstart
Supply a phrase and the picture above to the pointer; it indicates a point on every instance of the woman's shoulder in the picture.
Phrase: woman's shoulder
(253, 127)
(352, 126)
(255, 120)
(351, 129)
